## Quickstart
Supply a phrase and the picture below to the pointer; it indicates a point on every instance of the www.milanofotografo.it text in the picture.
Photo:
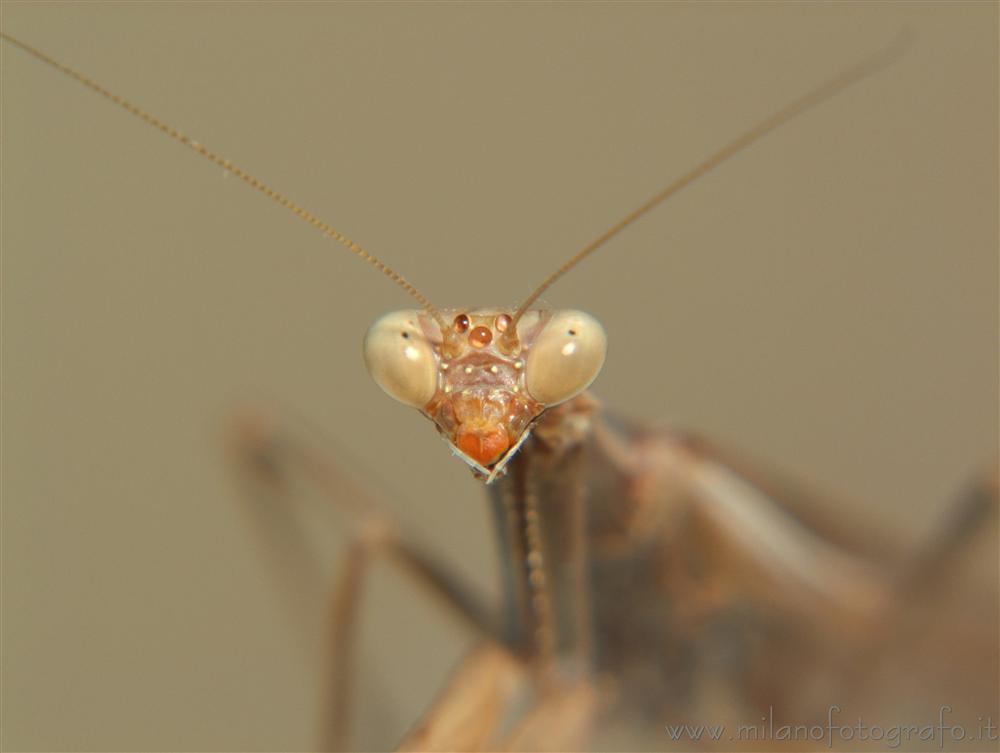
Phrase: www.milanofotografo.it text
(836, 730)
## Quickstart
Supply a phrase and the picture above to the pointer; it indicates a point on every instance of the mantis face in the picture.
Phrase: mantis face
(485, 379)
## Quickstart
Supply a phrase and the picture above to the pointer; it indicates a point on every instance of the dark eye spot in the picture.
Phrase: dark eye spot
(462, 323)
(406, 335)
(571, 332)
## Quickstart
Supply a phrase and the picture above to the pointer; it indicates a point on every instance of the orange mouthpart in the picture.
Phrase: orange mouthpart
(484, 445)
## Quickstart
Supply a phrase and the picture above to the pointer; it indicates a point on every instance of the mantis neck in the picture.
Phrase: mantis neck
(540, 509)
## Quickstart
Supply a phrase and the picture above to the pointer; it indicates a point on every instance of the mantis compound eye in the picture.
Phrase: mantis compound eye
(565, 357)
(400, 359)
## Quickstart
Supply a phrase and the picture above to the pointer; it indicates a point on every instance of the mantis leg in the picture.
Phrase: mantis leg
(273, 462)
(491, 703)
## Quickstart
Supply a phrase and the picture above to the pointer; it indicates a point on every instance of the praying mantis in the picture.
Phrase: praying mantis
(396, 457)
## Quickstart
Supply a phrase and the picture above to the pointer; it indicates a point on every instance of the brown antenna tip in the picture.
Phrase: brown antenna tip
(255, 183)
(861, 70)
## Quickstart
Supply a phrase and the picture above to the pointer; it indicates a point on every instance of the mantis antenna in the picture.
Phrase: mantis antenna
(816, 96)
(828, 89)
(242, 174)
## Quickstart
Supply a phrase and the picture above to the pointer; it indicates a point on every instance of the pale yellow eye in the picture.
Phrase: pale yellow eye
(565, 357)
(400, 359)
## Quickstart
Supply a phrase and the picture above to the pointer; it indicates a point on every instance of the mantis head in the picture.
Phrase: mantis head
(485, 378)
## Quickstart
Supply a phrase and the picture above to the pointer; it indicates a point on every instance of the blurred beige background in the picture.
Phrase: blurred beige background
(827, 301)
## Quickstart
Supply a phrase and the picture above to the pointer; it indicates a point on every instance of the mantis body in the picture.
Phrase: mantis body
(572, 434)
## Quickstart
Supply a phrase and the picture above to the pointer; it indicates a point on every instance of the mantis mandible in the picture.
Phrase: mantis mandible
(551, 642)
